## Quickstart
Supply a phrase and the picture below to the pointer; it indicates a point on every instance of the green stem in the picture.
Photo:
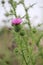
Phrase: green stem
(38, 41)
(23, 53)
(13, 8)
(24, 57)
(26, 44)
(26, 10)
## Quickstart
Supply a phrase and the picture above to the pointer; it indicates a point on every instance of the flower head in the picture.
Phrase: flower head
(16, 21)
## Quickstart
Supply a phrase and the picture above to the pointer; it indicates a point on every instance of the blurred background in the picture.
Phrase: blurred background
(35, 13)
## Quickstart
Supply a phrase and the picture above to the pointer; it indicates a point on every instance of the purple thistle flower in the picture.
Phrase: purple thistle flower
(16, 21)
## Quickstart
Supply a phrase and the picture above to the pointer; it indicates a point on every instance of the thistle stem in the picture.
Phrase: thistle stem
(23, 53)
